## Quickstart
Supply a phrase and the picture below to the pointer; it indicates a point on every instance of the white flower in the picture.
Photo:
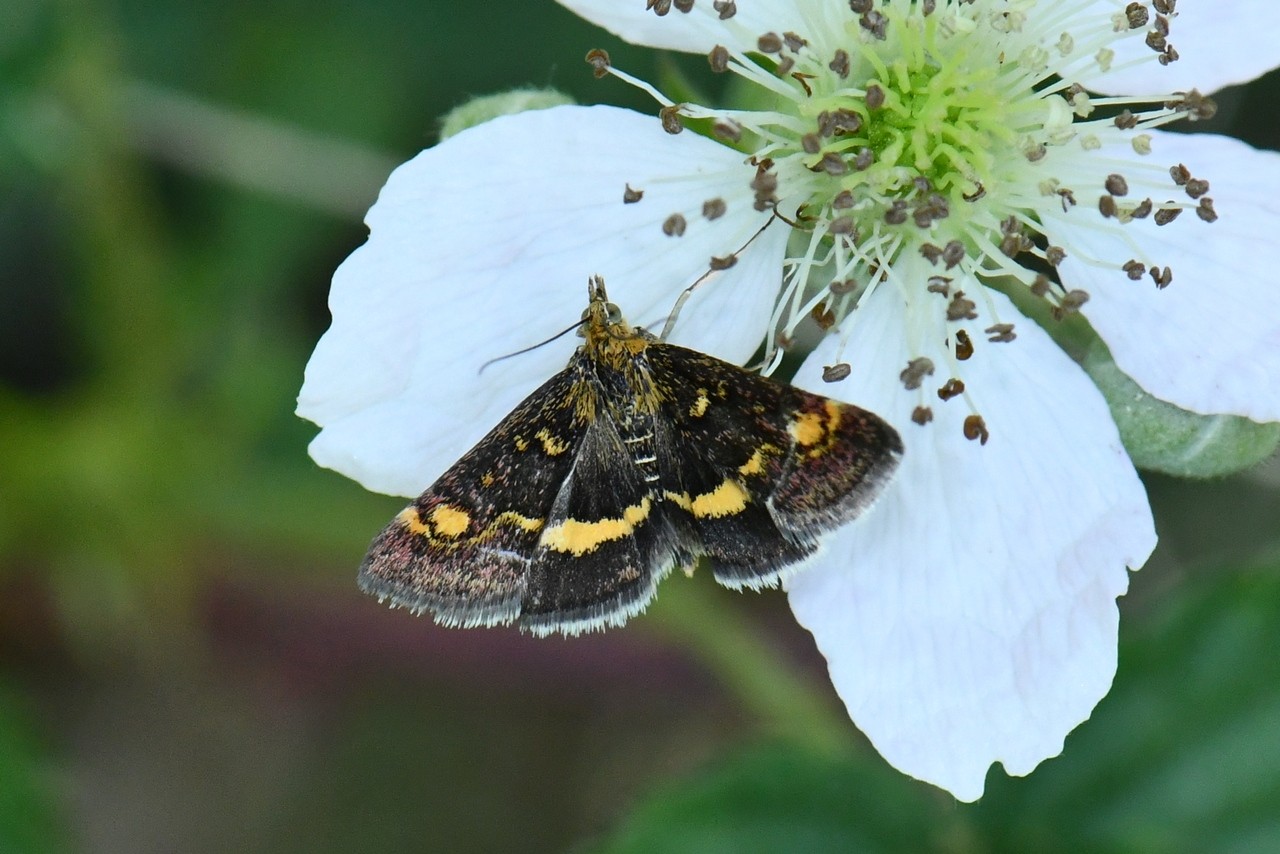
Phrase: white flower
(933, 163)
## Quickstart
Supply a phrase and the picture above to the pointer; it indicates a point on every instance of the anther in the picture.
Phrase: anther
(726, 9)
(1000, 333)
(1070, 303)
(874, 97)
(951, 388)
(913, 374)
(833, 164)
(1205, 210)
(769, 43)
(630, 196)
(1126, 120)
(1196, 187)
(824, 317)
(714, 208)
(718, 59)
(835, 373)
(723, 263)
(1116, 185)
(599, 61)
(1161, 276)
(670, 117)
(1197, 106)
(674, 225)
(842, 225)
(727, 129)
(1133, 268)
(961, 307)
(922, 415)
(875, 23)
(976, 428)
(840, 65)
(964, 346)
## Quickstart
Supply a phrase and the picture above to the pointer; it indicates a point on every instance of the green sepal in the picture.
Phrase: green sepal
(1161, 437)
(485, 107)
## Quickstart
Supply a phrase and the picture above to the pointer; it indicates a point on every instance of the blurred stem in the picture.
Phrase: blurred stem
(272, 157)
(765, 682)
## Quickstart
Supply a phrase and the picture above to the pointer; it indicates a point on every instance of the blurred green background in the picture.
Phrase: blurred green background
(185, 663)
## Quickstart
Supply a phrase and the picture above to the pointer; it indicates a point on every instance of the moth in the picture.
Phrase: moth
(637, 458)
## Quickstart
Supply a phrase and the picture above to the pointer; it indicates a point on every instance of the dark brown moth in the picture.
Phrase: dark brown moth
(638, 457)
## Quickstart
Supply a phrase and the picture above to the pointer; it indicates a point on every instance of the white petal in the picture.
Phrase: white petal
(1210, 341)
(697, 31)
(970, 618)
(483, 245)
(1219, 44)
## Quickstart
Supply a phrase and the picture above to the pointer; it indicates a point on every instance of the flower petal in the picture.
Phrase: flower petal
(971, 617)
(1218, 45)
(696, 31)
(1210, 341)
(483, 245)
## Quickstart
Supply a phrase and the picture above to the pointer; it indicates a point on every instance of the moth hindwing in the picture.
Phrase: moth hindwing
(638, 457)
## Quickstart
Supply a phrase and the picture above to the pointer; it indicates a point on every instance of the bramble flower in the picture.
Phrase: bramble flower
(911, 179)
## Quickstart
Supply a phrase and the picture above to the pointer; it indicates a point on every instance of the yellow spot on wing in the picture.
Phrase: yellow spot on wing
(807, 429)
(833, 416)
(553, 446)
(578, 538)
(755, 465)
(409, 518)
(520, 521)
(699, 407)
(450, 521)
(725, 500)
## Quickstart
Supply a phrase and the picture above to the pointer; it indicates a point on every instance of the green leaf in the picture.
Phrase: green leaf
(1182, 756)
(783, 799)
(480, 110)
(1161, 437)
(27, 809)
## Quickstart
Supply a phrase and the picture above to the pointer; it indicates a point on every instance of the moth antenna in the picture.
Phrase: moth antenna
(531, 347)
(688, 292)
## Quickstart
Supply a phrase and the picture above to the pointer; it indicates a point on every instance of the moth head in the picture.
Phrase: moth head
(600, 314)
